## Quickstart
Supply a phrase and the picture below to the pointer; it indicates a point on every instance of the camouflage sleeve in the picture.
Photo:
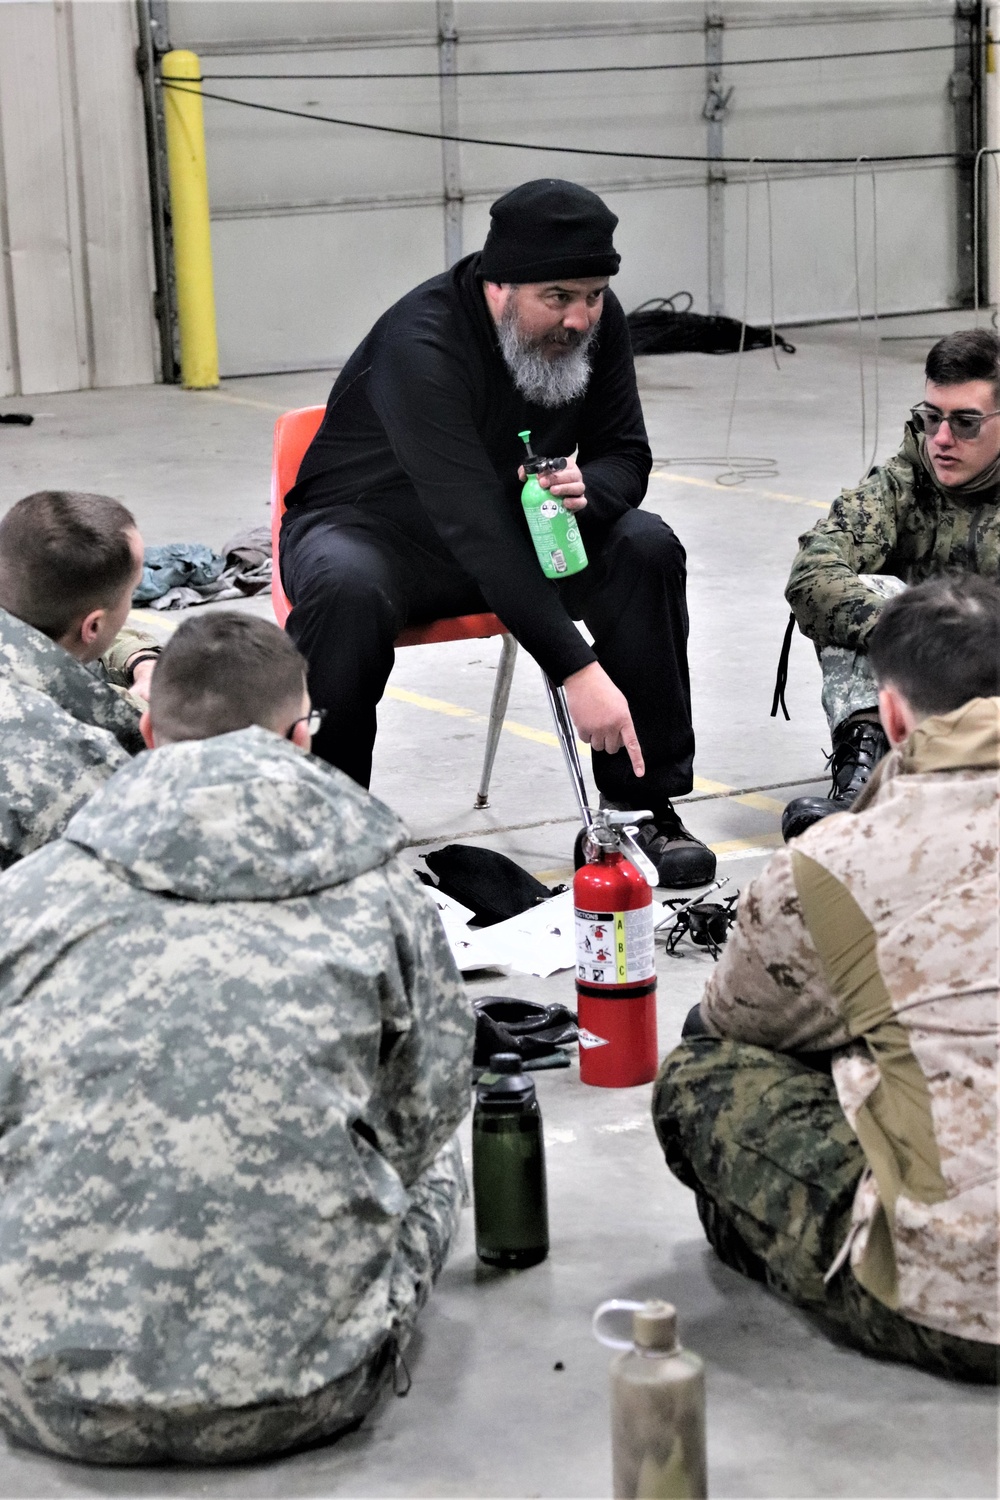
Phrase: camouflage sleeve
(125, 644)
(425, 1063)
(50, 763)
(831, 604)
(768, 987)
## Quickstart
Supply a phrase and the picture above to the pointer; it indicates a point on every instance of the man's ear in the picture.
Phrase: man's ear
(146, 730)
(82, 633)
(91, 625)
(496, 294)
(898, 718)
(301, 735)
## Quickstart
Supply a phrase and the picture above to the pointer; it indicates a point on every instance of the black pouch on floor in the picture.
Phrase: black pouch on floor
(506, 1024)
(491, 884)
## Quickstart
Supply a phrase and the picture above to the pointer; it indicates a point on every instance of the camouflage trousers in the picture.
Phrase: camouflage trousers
(848, 682)
(106, 1435)
(761, 1138)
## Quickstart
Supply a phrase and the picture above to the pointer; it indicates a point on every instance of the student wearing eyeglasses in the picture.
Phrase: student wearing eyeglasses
(933, 508)
(235, 1050)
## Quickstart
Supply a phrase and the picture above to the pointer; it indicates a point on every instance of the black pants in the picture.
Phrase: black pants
(357, 576)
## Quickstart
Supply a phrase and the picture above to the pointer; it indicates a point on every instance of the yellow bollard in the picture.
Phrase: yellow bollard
(182, 110)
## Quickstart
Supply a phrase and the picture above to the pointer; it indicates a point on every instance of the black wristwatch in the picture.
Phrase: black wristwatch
(148, 655)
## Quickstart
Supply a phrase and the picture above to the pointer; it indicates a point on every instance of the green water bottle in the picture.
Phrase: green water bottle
(554, 530)
(508, 1168)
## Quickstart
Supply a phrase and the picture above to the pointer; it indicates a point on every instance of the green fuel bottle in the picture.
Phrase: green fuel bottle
(508, 1168)
(554, 530)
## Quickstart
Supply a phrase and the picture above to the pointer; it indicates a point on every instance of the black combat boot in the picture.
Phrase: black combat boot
(681, 860)
(858, 746)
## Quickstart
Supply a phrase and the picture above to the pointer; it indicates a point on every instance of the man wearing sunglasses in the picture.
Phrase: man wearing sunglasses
(933, 508)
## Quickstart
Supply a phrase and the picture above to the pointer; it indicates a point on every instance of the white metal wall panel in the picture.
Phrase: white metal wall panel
(110, 129)
(31, 119)
(8, 355)
(262, 162)
(315, 228)
(813, 245)
(76, 303)
(318, 227)
(865, 106)
(293, 291)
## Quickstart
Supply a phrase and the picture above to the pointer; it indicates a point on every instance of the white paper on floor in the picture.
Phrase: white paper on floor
(538, 941)
(450, 909)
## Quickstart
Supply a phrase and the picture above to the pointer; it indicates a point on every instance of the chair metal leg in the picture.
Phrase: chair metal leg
(566, 735)
(498, 711)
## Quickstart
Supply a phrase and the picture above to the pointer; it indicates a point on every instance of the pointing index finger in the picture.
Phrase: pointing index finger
(631, 743)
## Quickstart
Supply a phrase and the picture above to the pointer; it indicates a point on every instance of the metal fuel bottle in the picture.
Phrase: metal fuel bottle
(554, 530)
(657, 1407)
(508, 1167)
(615, 962)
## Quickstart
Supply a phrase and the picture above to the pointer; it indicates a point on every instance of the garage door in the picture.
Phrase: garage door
(317, 227)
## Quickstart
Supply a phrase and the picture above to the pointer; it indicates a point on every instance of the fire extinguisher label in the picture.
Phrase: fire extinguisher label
(615, 947)
(587, 1039)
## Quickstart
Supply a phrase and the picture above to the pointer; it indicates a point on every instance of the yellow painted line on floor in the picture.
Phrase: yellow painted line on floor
(152, 617)
(730, 489)
(758, 841)
(726, 847)
(435, 705)
(511, 726)
(522, 731)
(540, 736)
(242, 401)
(749, 799)
(546, 737)
(456, 711)
(762, 804)
(718, 787)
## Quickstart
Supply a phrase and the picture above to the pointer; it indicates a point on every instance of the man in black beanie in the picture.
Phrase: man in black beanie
(407, 506)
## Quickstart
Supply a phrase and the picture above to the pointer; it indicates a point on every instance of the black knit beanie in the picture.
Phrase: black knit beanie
(546, 230)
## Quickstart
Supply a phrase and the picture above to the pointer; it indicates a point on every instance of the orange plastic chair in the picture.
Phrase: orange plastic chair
(293, 432)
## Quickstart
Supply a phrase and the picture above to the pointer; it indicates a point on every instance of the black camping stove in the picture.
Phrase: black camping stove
(706, 923)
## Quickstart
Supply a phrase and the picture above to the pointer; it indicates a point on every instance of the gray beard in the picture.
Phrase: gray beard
(544, 382)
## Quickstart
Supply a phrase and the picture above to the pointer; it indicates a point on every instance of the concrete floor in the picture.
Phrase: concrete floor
(490, 1413)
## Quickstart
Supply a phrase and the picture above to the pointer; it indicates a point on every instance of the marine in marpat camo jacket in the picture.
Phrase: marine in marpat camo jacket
(899, 524)
(873, 939)
(64, 729)
(234, 1050)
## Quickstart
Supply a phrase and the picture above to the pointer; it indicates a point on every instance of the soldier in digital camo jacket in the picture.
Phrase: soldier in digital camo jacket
(870, 944)
(72, 679)
(234, 1050)
(933, 508)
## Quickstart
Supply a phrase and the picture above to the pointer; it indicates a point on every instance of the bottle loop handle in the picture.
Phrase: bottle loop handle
(615, 1305)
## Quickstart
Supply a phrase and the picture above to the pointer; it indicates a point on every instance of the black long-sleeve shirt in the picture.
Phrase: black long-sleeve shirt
(425, 412)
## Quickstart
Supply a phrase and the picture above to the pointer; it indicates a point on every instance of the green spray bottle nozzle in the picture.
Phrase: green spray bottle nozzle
(534, 464)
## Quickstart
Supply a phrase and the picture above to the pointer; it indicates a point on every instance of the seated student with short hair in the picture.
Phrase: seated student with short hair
(69, 563)
(869, 1197)
(933, 507)
(234, 1049)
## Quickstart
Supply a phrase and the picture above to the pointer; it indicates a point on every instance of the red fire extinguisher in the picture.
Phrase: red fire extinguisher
(615, 964)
